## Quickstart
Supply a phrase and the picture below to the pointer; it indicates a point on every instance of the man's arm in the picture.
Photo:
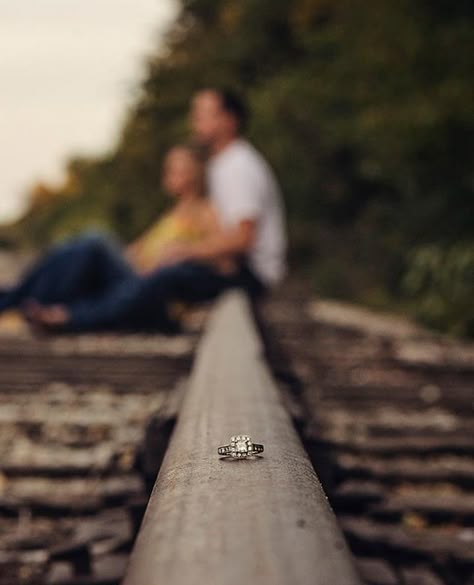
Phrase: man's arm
(226, 243)
(230, 242)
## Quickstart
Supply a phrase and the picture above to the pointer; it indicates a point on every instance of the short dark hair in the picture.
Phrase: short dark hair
(233, 103)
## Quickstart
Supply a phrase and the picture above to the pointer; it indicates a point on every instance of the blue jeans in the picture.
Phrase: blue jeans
(78, 268)
(102, 291)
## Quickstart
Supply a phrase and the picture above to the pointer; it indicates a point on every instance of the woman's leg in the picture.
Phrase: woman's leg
(80, 267)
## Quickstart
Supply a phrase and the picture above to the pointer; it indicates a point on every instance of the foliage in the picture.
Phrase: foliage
(440, 283)
(364, 108)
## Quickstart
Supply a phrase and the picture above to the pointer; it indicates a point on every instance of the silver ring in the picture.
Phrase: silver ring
(240, 446)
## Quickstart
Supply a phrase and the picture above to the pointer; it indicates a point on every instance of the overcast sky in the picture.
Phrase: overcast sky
(67, 71)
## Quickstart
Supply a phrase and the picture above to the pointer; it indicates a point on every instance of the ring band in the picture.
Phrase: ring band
(240, 446)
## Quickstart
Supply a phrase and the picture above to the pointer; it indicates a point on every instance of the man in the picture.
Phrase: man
(248, 201)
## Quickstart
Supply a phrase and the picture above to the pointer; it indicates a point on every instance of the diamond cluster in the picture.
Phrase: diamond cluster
(240, 446)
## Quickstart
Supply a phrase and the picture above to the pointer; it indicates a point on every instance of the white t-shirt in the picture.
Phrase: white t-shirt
(242, 186)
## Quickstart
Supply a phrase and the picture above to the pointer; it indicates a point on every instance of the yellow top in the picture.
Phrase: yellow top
(168, 230)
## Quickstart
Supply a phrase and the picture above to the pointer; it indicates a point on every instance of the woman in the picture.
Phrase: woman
(88, 283)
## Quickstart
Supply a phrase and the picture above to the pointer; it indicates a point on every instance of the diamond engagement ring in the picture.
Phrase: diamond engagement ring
(240, 446)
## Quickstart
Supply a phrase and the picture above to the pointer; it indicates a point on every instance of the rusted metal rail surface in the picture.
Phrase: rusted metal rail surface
(262, 520)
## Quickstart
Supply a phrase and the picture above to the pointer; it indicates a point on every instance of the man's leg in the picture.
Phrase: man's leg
(142, 303)
(250, 282)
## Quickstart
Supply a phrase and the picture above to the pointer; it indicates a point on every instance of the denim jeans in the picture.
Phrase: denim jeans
(80, 267)
(102, 291)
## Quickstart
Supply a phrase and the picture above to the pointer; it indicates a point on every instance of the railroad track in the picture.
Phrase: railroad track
(73, 413)
(384, 409)
(388, 419)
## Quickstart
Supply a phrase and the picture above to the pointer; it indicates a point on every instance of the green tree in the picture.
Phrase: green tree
(364, 108)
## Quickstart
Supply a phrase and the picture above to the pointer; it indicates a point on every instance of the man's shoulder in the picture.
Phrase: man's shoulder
(243, 155)
(244, 148)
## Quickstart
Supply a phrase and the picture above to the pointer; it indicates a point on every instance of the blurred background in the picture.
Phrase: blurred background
(364, 109)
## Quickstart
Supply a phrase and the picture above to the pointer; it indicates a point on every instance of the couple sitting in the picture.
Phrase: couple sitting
(226, 229)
